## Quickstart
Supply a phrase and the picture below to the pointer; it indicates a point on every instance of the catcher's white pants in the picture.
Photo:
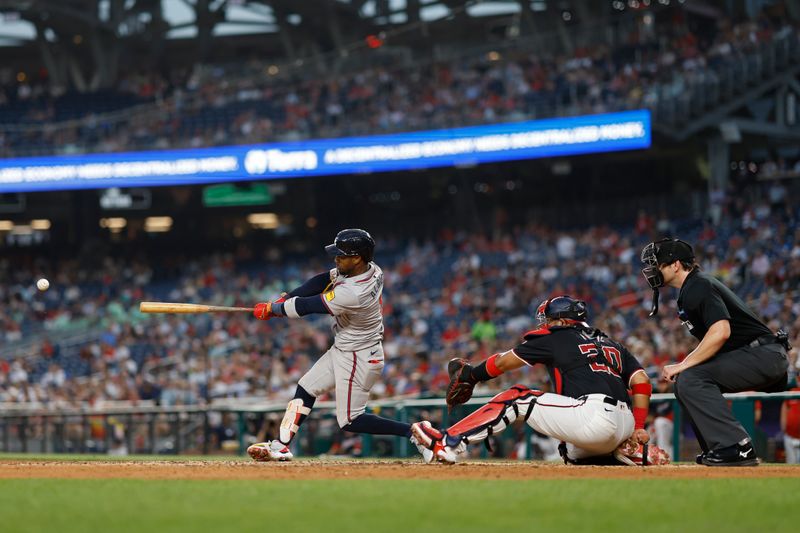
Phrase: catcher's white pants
(351, 374)
(588, 425)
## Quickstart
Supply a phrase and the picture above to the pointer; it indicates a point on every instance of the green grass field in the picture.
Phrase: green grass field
(271, 506)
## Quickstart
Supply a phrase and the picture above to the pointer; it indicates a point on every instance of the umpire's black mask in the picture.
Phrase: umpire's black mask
(662, 252)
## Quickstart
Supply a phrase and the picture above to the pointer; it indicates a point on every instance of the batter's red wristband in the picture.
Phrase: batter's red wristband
(639, 416)
(491, 367)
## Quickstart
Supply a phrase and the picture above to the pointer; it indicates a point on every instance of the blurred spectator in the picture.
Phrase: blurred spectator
(484, 329)
(790, 426)
(662, 425)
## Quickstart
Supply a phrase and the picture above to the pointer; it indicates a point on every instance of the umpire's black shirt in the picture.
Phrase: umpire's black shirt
(703, 300)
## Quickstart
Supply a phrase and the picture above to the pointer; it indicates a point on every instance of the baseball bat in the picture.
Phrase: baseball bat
(172, 307)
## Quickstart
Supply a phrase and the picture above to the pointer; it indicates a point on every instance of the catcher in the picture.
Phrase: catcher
(591, 412)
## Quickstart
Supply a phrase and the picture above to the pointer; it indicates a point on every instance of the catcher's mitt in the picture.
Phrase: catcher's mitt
(461, 383)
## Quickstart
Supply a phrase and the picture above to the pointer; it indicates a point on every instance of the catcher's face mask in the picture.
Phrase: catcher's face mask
(540, 312)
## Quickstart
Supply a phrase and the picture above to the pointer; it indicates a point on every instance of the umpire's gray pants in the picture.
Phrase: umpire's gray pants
(699, 390)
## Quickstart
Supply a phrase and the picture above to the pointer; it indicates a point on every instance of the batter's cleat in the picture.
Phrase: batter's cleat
(734, 455)
(426, 437)
(427, 454)
(426, 434)
(273, 450)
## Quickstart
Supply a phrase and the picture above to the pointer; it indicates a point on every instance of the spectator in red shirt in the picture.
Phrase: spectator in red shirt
(790, 425)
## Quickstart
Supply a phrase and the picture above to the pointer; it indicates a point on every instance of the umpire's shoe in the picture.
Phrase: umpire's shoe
(735, 455)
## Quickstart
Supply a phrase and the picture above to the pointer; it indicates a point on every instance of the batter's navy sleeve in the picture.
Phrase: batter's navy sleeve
(310, 305)
(313, 286)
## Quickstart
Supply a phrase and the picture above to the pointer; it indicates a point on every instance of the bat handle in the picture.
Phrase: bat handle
(224, 309)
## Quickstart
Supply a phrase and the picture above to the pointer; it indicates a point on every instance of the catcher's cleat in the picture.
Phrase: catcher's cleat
(449, 454)
(273, 450)
(633, 454)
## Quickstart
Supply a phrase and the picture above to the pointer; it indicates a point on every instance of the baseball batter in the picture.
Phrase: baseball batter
(351, 293)
(590, 411)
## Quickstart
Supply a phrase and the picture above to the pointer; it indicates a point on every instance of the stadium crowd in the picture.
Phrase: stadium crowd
(84, 343)
(222, 105)
(459, 295)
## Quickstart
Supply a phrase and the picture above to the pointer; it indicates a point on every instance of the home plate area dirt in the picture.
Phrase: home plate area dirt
(365, 469)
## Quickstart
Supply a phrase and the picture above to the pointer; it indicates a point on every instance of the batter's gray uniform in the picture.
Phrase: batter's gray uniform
(355, 361)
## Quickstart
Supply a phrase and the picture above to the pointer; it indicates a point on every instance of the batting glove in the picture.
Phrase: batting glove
(263, 311)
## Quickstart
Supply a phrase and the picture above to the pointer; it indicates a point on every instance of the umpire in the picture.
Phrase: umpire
(737, 352)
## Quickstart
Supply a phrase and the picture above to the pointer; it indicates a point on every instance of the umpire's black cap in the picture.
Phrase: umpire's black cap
(667, 251)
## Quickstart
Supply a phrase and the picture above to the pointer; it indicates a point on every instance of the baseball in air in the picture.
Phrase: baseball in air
(42, 284)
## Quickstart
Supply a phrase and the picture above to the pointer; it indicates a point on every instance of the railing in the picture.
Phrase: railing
(228, 427)
(706, 88)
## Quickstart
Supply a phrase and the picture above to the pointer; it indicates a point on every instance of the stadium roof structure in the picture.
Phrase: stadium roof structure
(22, 20)
(94, 34)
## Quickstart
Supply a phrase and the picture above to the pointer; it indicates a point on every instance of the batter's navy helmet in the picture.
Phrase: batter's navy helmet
(352, 242)
(564, 307)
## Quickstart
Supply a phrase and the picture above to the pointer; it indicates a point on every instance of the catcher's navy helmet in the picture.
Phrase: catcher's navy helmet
(352, 242)
(564, 307)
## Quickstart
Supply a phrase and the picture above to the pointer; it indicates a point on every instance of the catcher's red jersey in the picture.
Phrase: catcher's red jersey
(580, 361)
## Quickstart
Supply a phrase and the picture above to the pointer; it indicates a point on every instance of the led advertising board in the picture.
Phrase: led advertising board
(474, 145)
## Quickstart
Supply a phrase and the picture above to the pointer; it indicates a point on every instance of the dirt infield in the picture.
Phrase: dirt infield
(351, 469)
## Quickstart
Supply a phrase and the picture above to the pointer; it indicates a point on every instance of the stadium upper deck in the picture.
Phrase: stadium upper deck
(645, 65)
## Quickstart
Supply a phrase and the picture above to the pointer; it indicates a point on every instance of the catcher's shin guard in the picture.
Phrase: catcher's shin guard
(495, 416)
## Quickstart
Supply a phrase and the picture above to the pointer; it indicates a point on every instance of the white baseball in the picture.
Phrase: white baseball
(42, 284)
